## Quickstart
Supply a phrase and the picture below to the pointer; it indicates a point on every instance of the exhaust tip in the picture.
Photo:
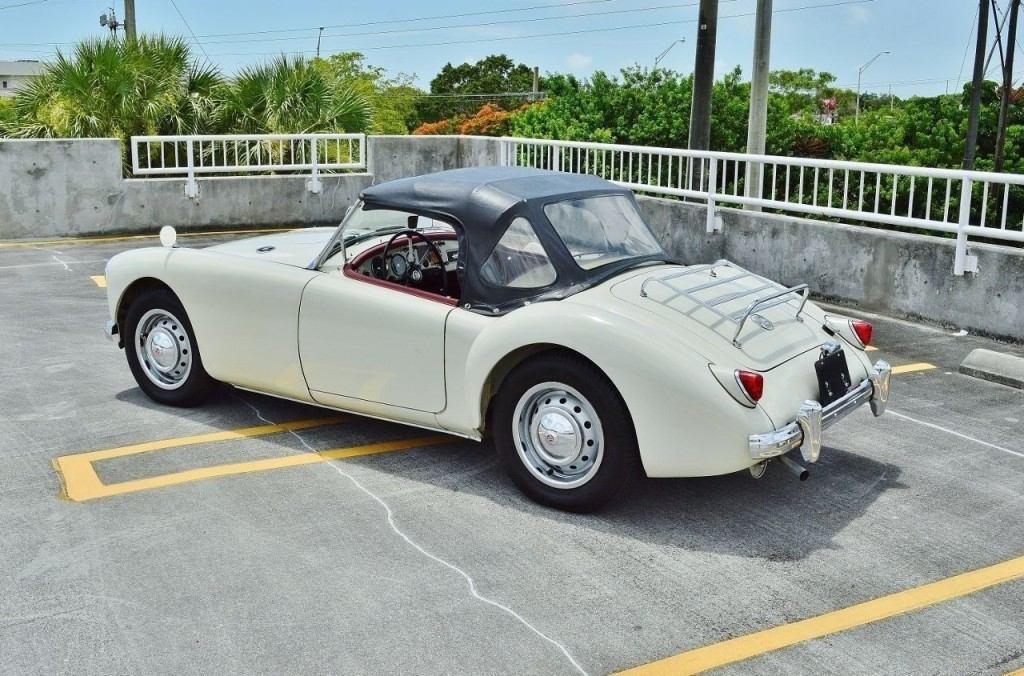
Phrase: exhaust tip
(796, 468)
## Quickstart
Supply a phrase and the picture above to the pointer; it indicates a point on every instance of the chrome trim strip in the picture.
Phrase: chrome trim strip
(874, 390)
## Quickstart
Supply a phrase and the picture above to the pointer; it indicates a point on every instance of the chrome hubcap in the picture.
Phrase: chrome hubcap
(558, 435)
(163, 349)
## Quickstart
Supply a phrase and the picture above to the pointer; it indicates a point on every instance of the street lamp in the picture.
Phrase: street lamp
(860, 71)
(658, 59)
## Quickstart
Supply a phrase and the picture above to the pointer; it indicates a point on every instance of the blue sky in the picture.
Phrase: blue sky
(927, 38)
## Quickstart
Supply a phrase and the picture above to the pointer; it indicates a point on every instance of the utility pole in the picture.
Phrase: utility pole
(1004, 98)
(971, 146)
(757, 126)
(129, 19)
(318, 36)
(703, 76)
(536, 83)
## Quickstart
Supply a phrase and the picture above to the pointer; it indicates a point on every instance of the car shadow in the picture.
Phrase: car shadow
(775, 518)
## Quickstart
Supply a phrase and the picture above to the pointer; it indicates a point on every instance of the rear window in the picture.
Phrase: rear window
(518, 260)
(601, 230)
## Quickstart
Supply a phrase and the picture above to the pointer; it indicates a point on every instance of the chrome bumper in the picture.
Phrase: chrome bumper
(805, 432)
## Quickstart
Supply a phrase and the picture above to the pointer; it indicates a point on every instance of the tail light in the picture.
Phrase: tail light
(862, 330)
(751, 383)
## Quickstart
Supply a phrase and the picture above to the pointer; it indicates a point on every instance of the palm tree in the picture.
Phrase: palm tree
(117, 88)
(292, 96)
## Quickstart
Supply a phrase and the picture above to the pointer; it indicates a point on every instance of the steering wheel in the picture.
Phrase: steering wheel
(405, 270)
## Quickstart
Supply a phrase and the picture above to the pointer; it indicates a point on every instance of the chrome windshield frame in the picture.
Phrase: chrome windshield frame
(339, 235)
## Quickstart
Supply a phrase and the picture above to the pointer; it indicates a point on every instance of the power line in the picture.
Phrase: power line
(24, 4)
(633, 10)
(967, 48)
(190, 31)
(558, 33)
(410, 20)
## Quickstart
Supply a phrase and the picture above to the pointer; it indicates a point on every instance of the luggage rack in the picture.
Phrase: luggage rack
(778, 294)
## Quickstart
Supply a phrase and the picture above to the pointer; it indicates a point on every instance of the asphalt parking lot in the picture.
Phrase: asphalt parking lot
(219, 540)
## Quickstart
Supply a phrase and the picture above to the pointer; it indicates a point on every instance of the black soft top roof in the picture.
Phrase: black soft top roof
(477, 197)
(481, 202)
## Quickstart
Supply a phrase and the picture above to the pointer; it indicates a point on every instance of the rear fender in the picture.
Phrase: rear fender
(686, 424)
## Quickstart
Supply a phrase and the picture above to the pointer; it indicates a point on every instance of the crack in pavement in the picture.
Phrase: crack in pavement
(412, 543)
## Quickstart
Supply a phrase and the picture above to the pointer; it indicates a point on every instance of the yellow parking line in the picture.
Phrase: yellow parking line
(1018, 672)
(127, 238)
(911, 368)
(231, 469)
(759, 643)
(99, 280)
(82, 483)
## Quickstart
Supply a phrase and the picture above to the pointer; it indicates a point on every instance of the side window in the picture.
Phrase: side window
(518, 259)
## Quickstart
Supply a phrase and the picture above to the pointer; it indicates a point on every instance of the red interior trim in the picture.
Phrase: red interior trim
(351, 272)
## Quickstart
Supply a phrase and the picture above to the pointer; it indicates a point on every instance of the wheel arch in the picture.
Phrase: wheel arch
(505, 365)
(133, 291)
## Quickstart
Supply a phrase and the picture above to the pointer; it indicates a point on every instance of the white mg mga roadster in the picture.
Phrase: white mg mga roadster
(532, 306)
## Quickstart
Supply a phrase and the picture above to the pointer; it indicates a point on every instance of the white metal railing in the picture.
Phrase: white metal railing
(191, 156)
(964, 203)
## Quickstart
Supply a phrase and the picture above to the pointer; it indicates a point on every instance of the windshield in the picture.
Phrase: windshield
(602, 230)
(364, 223)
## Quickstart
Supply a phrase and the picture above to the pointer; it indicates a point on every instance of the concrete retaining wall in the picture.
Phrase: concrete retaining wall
(391, 157)
(58, 188)
(878, 270)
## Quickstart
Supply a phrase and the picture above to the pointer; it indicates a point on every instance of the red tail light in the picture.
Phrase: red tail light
(752, 384)
(863, 330)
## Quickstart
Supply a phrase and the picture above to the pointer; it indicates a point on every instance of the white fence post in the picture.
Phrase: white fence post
(191, 186)
(962, 262)
(712, 221)
(313, 184)
(135, 155)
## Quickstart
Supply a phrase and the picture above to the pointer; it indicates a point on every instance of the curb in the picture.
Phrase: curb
(997, 367)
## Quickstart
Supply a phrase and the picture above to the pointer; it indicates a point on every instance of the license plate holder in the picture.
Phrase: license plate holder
(833, 376)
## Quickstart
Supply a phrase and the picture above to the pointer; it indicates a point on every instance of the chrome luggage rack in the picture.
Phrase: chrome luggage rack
(778, 294)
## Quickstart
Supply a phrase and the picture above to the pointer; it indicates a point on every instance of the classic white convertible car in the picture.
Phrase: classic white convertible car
(533, 306)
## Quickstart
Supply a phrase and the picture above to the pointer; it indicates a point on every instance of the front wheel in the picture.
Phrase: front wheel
(161, 350)
(564, 433)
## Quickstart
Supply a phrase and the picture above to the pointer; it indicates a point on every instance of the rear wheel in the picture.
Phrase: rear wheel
(564, 433)
(161, 350)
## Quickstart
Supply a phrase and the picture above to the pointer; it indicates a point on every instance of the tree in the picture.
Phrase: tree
(118, 88)
(801, 91)
(494, 74)
(393, 97)
(292, 95)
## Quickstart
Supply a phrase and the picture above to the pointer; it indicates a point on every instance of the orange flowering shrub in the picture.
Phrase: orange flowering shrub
(490, 120)
(434, 128)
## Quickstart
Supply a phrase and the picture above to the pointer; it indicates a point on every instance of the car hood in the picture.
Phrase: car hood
(666, 307)
(295, 247)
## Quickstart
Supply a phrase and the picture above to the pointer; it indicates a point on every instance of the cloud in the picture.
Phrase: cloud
(859, 14)
(577, 61)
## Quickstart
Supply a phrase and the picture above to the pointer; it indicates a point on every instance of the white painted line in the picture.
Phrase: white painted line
(415, 545)
(49, 263)
(954, 433)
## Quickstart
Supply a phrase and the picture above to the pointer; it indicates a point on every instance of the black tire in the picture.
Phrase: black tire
(618, 456)
(191, 386)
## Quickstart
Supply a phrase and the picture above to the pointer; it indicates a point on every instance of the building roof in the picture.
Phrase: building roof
(22, 68)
